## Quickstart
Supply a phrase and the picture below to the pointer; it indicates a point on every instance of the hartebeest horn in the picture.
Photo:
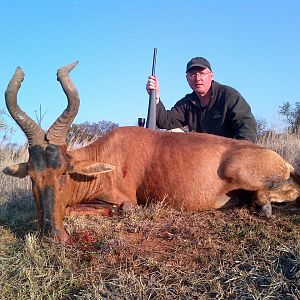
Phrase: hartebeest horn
(57, 133)
(33, 132)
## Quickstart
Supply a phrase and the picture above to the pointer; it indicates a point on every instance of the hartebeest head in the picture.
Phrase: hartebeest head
(49, 166)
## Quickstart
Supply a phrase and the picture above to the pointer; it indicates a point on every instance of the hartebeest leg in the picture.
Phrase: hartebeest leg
(88, 209)
(286, 192)
(95, 207)
(289, 191)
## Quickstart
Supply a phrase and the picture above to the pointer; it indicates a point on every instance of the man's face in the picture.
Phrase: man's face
(199, 79)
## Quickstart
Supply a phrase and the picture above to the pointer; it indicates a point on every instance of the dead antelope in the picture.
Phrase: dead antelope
(133, 165)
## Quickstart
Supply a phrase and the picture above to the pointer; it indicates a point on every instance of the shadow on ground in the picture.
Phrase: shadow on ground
(17, 214)
(288, 210)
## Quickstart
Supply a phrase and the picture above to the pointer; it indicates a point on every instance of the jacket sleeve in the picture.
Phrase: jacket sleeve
(241, 119)
(169, 119)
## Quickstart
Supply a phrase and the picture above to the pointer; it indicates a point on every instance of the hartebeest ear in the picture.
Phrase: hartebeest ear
(16, 170)
(89, 167)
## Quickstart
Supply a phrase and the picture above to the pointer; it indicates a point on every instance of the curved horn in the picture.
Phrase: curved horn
(33, 132)
(57, 133)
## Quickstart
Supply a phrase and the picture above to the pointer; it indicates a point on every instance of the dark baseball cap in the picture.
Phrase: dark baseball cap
(199, 62)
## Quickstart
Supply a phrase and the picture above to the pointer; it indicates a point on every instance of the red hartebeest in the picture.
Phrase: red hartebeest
(133, 165)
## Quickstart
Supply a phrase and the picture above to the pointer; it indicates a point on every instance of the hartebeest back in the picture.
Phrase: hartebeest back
(133, 165)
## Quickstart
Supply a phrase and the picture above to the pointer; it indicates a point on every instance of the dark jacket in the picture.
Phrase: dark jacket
(227, 114)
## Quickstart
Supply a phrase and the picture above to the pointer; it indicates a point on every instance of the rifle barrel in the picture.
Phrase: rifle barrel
(151, 117)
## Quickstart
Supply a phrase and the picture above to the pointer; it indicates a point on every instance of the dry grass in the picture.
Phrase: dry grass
(150, 253)
(287, 145)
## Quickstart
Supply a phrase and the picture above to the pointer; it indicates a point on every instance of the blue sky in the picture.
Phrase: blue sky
(253, 46)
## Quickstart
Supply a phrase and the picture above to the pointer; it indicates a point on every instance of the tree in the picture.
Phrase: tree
(6, 131)
(87, 132)
(291, 115)
(261, 126)
(39, 115)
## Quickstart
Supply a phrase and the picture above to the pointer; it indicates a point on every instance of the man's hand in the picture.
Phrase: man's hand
(152, 84)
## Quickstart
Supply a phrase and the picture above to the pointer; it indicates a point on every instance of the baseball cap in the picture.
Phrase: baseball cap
(199, 62)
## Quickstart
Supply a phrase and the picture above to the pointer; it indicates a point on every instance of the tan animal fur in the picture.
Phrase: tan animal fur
(133, 165)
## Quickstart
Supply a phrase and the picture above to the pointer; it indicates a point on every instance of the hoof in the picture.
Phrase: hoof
(267, 210)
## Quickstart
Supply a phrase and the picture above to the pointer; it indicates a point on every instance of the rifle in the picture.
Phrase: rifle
(151, 117)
